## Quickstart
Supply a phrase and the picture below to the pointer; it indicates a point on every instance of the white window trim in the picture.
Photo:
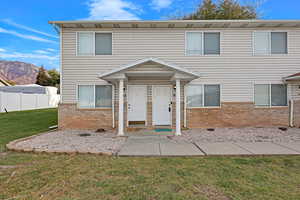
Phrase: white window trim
(202, 41)
(94, 42)
(94, 86)
(270, 94)
(270, 42)
(202, 84)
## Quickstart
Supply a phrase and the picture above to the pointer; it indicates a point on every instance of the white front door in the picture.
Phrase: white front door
(161, 105)
(137, 99)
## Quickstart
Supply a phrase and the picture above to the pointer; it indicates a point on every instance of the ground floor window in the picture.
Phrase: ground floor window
(94, 96)
(203, 95)
(270, 95)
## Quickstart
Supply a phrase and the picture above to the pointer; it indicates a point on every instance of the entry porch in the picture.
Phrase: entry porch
(149, 94)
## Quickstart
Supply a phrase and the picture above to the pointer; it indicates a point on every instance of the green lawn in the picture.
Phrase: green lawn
(16, 125)
(66, 177)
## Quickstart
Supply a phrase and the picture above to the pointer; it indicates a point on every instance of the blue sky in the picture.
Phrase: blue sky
(25, 34)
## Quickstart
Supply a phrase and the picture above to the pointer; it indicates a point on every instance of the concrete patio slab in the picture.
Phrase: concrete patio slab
(179, 149)
(140, 149)
(290, 145)
(222, 148)
(266, 148)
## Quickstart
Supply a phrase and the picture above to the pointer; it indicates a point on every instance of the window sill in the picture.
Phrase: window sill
(270, 55)
(270, 107)
(207, 107)
(93, 109)
(203, 55)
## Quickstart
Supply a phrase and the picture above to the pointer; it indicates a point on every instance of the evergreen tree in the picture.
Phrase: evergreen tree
(223, 9)
(43, 78)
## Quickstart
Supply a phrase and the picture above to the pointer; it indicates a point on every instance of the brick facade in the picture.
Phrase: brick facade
(297, 113)
(70, 117)
(240, 114)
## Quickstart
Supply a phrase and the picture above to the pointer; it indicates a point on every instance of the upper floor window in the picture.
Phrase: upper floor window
(202, 43)
(90, 43)
(207, 95)
(270, 95)
(270, 43)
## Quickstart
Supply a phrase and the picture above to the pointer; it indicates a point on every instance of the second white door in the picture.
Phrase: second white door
(161, 105)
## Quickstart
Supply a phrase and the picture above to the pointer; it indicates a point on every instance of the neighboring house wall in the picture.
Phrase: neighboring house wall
(236, 69)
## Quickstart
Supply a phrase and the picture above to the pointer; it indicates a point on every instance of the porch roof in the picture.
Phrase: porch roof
(293, 77)
(175, 69)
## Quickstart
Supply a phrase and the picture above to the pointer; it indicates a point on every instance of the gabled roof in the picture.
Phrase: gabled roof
(128, 66)
(292, 77)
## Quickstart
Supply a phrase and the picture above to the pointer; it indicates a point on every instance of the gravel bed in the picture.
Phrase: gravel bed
(71, 141)
(240, 135)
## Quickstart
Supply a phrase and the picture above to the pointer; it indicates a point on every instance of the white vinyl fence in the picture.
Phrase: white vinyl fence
(20, 101)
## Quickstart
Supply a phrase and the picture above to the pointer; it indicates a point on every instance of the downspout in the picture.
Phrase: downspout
(291, 121)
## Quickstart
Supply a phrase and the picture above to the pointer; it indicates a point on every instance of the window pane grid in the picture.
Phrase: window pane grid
(95, 96)
(207, 95)
(268, 42)
(270, 95)
(94, 43)
(202, 43)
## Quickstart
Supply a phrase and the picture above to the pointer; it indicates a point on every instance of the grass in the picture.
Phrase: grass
(42, 176)
(21, 124)
(66, 177)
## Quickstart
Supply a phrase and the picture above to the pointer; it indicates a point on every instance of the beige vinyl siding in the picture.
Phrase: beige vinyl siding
(236, 69)
(295, 91)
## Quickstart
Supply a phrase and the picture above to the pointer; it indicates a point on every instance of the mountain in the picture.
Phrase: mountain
(19, 72)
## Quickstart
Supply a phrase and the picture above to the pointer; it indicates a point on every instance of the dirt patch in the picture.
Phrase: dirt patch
(211, 192)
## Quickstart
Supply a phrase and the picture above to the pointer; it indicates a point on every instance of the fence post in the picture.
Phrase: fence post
(1, 109)
(20, 96)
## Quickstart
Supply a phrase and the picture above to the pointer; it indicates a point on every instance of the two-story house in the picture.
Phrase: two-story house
(194, 74)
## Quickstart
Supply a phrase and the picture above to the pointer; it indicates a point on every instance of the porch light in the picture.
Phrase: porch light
(174, 91)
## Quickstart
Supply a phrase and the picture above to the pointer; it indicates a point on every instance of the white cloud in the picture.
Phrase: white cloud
(112, 10)
(41, 51)
(2, 50)
(30, 37)
(27, 55)
(50, 49)
(160, 4)
(12, 23)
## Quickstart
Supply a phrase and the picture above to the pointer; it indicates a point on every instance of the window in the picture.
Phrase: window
(279, 43)
(90, 43)
(211, 95)
(203, 95)
(194, 43)
(270, 95)
(85, 44)
(103, 44)
(211, 43)
(202, 43)
(95, 96)
(270, 43)
(86, 96)
(103, 96)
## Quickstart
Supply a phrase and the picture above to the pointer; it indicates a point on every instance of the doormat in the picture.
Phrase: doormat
(163, 130)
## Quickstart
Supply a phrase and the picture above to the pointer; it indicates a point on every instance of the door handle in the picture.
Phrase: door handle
(169, 109)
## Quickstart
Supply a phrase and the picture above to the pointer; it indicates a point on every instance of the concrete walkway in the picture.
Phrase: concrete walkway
(161, 145)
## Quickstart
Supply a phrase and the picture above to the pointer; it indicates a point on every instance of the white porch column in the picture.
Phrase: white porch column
(178, 104)
(121, 108)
